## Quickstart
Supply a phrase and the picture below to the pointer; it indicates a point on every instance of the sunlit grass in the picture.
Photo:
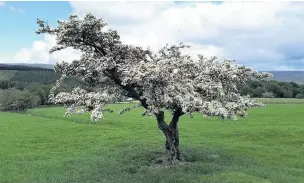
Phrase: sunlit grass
(280, 100)
(43, 146)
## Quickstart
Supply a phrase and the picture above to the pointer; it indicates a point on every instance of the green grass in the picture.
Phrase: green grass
(280, 100)
(44, 147)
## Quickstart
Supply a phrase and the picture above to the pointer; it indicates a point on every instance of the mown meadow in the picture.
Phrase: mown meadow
(42, 146)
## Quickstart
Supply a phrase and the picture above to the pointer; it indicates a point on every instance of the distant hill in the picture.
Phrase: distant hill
(288, 76)
(42, 76)
(285, 76)
(25, 67)
(6, 74)
(21, 76)
(47, 66)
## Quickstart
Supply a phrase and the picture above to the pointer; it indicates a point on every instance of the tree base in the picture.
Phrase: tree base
(167, 161)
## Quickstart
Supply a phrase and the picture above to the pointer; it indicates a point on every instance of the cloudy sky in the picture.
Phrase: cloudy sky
(261, 35)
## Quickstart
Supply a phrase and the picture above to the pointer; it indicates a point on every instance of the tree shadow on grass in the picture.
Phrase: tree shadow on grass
(206, 165)
(135, 162)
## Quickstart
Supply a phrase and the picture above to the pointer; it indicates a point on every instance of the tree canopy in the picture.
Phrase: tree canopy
(167, 79)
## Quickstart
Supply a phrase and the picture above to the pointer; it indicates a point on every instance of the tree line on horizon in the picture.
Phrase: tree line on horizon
(30, 88)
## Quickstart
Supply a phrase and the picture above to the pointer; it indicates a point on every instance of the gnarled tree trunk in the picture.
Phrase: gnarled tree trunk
(172, 136)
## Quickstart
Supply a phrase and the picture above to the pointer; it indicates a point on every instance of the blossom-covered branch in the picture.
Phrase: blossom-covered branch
(167, 79)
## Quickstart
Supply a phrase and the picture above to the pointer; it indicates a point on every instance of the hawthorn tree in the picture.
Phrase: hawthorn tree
(163, 80)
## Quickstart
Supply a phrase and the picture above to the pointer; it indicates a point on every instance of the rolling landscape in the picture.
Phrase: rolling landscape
(127, 105)
(43, 146)
(286, 76)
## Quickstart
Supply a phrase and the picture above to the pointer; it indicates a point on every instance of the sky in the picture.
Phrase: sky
(261, 35)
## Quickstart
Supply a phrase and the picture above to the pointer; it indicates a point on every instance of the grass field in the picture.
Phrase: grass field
(280, 100)
(44, 147)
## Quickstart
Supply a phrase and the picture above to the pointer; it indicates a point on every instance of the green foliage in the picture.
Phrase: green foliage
(39, 83)
(36, 82)
(300, 96)
(22, 78)
(16, 100)
(287, 93)
(41, 91)
(6, 75)
(271, 89)
(24, 67)
(268, 95)
(5, 84)
(43, 146)
(41, 77)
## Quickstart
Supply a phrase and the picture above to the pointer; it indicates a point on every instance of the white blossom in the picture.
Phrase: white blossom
(167, 79)
(96, 114)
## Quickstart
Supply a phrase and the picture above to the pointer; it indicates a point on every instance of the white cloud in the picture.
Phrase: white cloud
(121, 12)
(4, 60)
(12, 8)
(263, 35)
(39, 53)
(2, 3)
(19, 10)
(253, 33)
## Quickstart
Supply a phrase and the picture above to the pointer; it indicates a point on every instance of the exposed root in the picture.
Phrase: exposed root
(168, 161)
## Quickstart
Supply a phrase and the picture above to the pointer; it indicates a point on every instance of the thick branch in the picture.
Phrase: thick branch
(175, 118)
(162, 125)
(129, 88)
(160, 117)
(97, 48)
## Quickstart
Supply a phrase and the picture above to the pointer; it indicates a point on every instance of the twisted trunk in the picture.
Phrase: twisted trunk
(172, 136)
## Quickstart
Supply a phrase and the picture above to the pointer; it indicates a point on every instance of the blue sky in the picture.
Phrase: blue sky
(20, 25)
(20, 21)
(262, 35)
